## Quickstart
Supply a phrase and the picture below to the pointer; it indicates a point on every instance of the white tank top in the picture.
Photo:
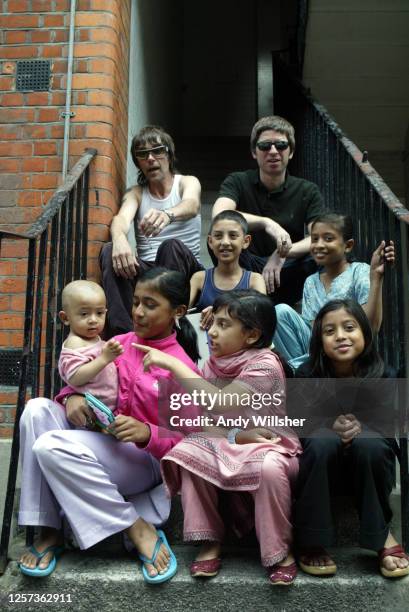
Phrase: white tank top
(186, 231)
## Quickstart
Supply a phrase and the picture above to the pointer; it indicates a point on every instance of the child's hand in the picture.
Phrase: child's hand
(383, 254)
(154, 357)
(347, 427)
(257, 436)
(206, 318)
(112, 349)
(128, 429)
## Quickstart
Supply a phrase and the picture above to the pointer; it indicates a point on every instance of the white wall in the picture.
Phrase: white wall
(155, 68)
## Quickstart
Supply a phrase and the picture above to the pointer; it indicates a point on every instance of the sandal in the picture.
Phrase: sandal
(393, 551)
(316, 570)
(282, 574)
(206, 568)
(172, 567)
(38, 572)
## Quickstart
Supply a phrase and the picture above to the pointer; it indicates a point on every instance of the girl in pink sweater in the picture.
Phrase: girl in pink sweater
(108, 483)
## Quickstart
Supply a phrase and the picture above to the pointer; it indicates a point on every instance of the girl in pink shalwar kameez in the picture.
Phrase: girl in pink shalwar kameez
(260, 460)
(105, 484)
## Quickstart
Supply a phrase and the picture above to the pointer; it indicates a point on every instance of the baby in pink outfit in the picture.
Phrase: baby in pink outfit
(86, 362)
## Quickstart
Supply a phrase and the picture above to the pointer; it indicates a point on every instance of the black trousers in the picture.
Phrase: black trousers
(292, 277)
(366, 466)
(172, 254)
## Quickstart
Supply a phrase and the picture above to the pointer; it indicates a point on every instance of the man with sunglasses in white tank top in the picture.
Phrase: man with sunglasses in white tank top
(165, 210)
(279, 209)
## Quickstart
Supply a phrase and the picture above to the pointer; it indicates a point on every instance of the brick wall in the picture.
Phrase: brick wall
(31, 131)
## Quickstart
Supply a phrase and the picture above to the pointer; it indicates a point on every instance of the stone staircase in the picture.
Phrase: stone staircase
(109, 579)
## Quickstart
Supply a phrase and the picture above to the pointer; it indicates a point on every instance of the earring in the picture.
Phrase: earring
(177, 324)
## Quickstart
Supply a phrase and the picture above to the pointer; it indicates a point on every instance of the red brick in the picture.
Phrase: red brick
(80, 97)
(13, 132)
(81, 66)
(6, 432)
(14, 321)
(18, 6)
(59, 67)
(40, 36)
(9, 165)
(58, 98)
(11, 115)
(101, 130)
(100, 98)
(44, 181)
(52, 51)
(17, 302)
(14, 248)
(89, 114)
(45, 148)
(20, 268)
(33, 164)
(36, 131)
(20, 52)
(15, 22)
(15, 149)
(12, 99)
(48, 115)
(12, 285)
(59, 36)
(37, 98)
(7, 268)
(5, 303)
(54, 164)
(6, 83)
(103, 65)
(91, 19)
(9, 67)
(57, 131)
(15, 37)
(30, 198)
(91, 81)
(87, 49)
(54, 21)
(98, 214)
(107, 35)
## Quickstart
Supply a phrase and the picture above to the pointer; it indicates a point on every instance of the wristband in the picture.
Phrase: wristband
(231, 435)
(171, 216)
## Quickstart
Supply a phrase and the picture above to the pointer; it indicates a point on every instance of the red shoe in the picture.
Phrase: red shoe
(393, 551)
(206, 568)
(282, 574)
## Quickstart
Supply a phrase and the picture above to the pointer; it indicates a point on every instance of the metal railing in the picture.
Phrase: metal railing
(352, 186)
(57, 254)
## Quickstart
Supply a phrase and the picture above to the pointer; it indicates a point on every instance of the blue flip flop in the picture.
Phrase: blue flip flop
(172, 567)
(46, 571)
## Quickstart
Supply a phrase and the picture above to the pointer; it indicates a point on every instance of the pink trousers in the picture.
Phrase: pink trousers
(272, 502)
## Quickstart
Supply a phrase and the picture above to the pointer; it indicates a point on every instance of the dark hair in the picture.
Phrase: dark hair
(253, 309)
(173, 286)
(230, 215)
(341, 223)
(367, 365)
(149, 136)
(276, 123)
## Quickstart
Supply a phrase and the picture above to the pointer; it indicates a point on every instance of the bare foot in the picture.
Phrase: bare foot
(144, 536)
(390, 562)
(316, 557)
(209, 550)
(48, 537)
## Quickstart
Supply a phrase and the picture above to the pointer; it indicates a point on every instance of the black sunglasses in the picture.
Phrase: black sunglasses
(265, 145)
(158, 151)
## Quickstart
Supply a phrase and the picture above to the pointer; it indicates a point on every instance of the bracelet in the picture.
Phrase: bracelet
(231, 435)
(171, 216)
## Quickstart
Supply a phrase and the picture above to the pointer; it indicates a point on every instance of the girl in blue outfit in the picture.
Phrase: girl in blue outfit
(337, 278)
(346, 441)
(228, 237)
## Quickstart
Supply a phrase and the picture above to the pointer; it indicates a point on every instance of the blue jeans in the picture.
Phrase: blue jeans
(292, 336)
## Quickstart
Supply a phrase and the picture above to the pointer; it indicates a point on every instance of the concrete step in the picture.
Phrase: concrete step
(112, 583)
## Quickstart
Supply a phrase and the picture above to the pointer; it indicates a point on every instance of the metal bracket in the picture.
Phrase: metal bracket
(65, 114)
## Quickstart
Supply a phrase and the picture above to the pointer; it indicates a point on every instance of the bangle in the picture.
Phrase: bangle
(231, 435)
(170, 215)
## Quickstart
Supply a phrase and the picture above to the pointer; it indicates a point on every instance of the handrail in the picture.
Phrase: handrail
(57, 254)
(326, 156)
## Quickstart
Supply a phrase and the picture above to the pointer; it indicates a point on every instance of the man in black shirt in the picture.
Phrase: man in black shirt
(279, 209)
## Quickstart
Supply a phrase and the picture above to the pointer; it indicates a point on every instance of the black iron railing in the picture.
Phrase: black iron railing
(57, 254)
(352, 186)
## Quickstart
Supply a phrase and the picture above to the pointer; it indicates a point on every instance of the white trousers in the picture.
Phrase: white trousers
(100, 484)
